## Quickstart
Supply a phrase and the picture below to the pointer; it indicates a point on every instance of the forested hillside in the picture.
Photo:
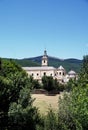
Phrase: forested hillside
(68, 64)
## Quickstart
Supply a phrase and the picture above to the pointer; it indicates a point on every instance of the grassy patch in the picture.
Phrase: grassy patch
(43, 102)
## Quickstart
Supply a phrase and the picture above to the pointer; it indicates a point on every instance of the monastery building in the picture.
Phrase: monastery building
(45, 70)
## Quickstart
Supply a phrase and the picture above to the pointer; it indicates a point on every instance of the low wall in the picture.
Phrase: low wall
(42, 91)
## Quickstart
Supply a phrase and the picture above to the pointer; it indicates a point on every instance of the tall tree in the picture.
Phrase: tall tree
(49, 83)
(12, 80)
(73, 107)
(83, 76)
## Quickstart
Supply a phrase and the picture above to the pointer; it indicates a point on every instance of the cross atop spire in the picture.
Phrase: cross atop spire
(45, 53)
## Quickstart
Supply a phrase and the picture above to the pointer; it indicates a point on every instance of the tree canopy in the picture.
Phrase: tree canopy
(15, 101)
(73, 107)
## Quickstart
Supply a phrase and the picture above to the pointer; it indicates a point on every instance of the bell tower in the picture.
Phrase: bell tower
(45, 59)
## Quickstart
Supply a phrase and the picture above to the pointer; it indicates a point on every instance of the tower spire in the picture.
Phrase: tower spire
(45, 59)
(45, 52)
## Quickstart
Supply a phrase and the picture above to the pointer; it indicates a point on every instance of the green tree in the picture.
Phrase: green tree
(67, 117)
(51, 120)
(12, 80)
(73, 107)
(22, 114)
(34, 83)
(49, 83)
(83, 76)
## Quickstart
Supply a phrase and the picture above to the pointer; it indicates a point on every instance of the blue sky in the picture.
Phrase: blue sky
(27, 27)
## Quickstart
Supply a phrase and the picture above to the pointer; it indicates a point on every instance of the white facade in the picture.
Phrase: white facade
(58, 73)
(39, 72)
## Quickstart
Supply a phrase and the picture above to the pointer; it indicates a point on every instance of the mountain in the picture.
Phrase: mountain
(26, 62)
(68, 64)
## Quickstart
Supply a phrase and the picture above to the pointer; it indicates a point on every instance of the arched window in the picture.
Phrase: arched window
(50, 74)
(59, 73)
(55, 74)
(37, 74)
(44, 73)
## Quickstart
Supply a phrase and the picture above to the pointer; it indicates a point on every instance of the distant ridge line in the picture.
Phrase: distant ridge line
(68, 64)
